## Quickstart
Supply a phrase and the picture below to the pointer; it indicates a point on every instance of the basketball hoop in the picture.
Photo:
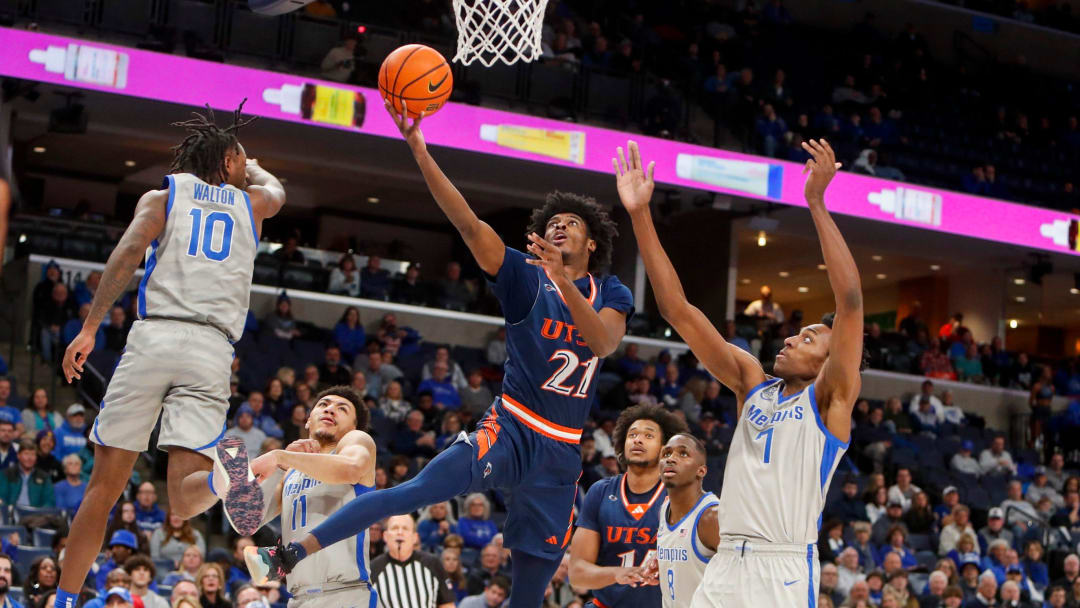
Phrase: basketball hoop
(494, 30)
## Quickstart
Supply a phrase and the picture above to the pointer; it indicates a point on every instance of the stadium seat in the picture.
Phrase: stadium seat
(164, 567)
(252, 34)
(301, 277)
(16, 594)
(25, 555)
(267, 274)
(312, 38)
(21, 512)
(470, 557)
(926, 559)
(43, 537)
(80, 249)
(919, 542)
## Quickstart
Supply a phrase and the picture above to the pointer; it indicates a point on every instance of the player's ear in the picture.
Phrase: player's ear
(702, 471)
(591, 245)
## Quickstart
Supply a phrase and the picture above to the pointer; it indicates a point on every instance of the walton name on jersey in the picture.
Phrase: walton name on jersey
(213, 194)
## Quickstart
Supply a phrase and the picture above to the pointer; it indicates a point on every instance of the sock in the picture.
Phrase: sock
(448, 475)
(65, 599)
(530, 576)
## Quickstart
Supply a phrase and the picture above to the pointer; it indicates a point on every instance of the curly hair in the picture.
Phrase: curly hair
(598, 224)
(668, 423)
(827, 320)
(202, 153)
(363, 416)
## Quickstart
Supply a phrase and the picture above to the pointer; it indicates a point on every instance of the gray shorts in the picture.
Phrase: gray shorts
(362, 596)
(180, 367)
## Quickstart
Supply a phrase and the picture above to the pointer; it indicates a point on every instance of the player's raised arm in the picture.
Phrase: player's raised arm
(147, 225)
(735, 368)
(839, 382)
(353, 460)
(483, 241)
(266, 192)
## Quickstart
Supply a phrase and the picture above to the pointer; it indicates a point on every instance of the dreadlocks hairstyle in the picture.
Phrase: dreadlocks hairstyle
(363, 416)
(668, 423)
(827, 320)
(202, 153)
(598, 223)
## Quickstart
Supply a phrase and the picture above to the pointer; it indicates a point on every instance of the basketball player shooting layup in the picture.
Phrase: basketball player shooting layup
(792, 428)
(560, 321)
(199, 235)
(324, 473)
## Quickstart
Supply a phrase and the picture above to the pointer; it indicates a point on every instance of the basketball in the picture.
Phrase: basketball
(417, 75)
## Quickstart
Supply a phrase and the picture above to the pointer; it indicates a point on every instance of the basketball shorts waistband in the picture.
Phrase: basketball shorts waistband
(538, 423)
(312, 590)
(745, 546)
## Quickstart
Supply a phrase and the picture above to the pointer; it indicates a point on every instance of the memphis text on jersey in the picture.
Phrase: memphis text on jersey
(759, 418)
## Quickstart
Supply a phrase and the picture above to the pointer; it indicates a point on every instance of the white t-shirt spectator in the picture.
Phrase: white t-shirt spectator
(338, 64)
(253, 439)
(341, 285)
(966, 464)
(951, 534)
(935, 405)
(904, 497)
(757, 308)
(1035, 494)
(1000, 464)
(1021, 511)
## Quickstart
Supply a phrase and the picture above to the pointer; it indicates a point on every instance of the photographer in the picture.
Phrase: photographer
(339, 63)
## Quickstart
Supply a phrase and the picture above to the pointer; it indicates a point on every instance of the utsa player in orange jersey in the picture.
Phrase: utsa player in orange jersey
(616, 533)
(562, 318)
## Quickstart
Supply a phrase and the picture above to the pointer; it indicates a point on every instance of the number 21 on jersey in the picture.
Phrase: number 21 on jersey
(569, 362)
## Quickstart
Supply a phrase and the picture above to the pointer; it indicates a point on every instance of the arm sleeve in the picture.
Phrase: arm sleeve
(515, 285)
(590, 511)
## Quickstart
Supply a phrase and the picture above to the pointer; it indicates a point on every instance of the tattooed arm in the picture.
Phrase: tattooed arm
(147, 225)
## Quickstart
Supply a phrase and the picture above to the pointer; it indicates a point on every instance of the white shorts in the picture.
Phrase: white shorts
(180, 367)
(745, 574)
(360, 596)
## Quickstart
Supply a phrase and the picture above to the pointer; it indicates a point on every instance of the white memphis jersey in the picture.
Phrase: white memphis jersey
(778, 471)
(200, 268)
(306, 503)
(681, 555)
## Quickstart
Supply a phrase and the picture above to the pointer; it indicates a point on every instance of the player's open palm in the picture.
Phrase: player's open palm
(411, 132)
(821, 167)
(635, 186)
(75, 356)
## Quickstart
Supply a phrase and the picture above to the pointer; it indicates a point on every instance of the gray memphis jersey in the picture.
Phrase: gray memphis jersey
(778, 471)
(305, 503)
(199, 269)
(681, 556)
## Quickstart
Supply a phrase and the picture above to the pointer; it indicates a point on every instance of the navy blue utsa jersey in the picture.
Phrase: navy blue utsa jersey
(627, 525)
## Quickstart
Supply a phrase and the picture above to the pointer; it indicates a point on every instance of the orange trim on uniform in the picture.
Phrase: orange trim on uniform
(540, 424)
(487, 433)
(570, 527)
(637, 511)
(592, 288)
(597, 603)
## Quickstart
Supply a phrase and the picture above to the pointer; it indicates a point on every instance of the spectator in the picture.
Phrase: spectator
(393, 403)
(333, 372)
(630, 364)
(765, 307)
(296, 426)
(210, 581)
(949, 499)
(920, 518)
(1071, 571)
(1055, 473)
(442, 354)
(960, 526)
(173, 538)
(969, 367)
(374, 280)
(39, 416)
(925, 420)
(454, 293)
(878, 504)
(148, 515)
(452, 427)
(848, 572)
(490, 566)
(903, 491)
(349, 333)
(412, 440)
(443, 392)
(770, 129)
(290, 253)
(142, 572)
(496, 349)
(986, 593)
(436, 523)
(238, 572)
(1056, 597)
(42, 580)
(893, 517)
(964, 462)
(897, 544)
(122, 545)
(116, 332)
(896, 418)
(408, 569)
(275, 402)
(69, 492)
(52, 318)
(1040, 488)
(935, 590)
(264, 418)
(859, 596)
(6, 398)
(995, 460)
(476, 527)
(6, 572)
(849, 508)
(1033, 564)
(25, 485)
(75, 325)
(8, 449)
(188, 567)
(249, 597)
(498, 589)
(246, 430)
(1022, 373)
(46, 443)
(934, 362)
(409, 289)
(995, 529)
(185, 590)
(926, 389)
(338, 65)
(476, 397)
(281, 322)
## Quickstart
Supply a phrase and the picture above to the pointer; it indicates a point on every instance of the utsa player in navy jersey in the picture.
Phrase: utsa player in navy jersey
(561, 320)
(616, 533)
(793, 427)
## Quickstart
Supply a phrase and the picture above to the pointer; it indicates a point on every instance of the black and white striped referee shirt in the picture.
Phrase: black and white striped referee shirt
(418, 582)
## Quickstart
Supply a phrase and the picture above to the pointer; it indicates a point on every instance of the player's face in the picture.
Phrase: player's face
(236, 167)
(331, 418)
(681, 463)
(569, 233)
(643, 443)
(803, 354)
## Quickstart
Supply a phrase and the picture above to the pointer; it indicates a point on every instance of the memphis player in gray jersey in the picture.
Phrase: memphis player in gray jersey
(198, 234)
(792, 427)
(688, 533)
(310, 480)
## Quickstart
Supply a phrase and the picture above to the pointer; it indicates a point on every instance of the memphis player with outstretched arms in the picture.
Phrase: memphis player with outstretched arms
(792, 427)
(616, 532)
(199, 234)
(689, 532)
(310, 480)
(562, 318)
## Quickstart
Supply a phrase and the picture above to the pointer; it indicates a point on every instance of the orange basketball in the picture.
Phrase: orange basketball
(418, 76)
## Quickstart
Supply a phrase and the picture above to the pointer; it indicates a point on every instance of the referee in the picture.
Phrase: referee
(405, 577)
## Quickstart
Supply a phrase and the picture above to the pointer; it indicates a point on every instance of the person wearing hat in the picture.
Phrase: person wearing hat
(410, 289)
(969, 575)
(995, 529)
(960, 525)
(24, 484)
(122, 545)
(894, 516)
(118, 597)
(246, 430)
(1041, 487)
(950, 497)
(964, 462)
(71, 436)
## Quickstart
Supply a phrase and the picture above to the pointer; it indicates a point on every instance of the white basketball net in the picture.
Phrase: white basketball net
(493, 30)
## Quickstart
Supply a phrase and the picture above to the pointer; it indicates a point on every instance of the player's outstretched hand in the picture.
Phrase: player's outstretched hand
(547, 255)
(635, 186)
(629, 576)
(651, 571)
(265, 465)
(75, 355)
(412, 133)
(822, 168)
